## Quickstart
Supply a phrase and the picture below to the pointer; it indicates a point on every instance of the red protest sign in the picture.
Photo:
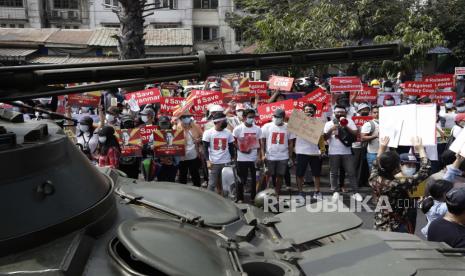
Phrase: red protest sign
(439, 97)
(200, 93)
(146, 133)
(299, 104)
(281, 83)
(146, 96)
(419, 87)
(259, 88)
(169, 142)
(266, 111)
(83, 100)
(441, 81)
(361, 120)
(344, 84)
(169, 104)
(130, 142)
(368, 94)
(319, 95)
(459, 71)
(200, 104)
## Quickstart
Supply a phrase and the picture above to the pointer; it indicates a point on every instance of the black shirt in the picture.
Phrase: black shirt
(442, 230)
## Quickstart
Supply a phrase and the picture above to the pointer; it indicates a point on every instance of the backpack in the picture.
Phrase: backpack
(372, 129)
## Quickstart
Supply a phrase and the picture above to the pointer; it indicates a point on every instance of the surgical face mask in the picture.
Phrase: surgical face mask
(389, 103)
(461, 109)
(84, 128)
(239, 114)
(102, 139)
(74, 109)
(277, 121)
(144, 119)
(408, 171)
(449, 105)
(109, 118)
(16, 109)
(186, 120)
(84, 109)
(250, 121)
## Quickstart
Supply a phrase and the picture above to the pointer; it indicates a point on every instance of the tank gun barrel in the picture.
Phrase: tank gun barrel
(20, 82)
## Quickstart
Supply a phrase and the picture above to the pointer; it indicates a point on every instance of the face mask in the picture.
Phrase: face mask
(239, 114)
(449, 105)
(389, 103)
(84, 109)
(277, 121)
(74, 109)
(365, 113)
(110, 118)
(250, 121)
(102, 139)
(84, 128)
(125, 112)
(186, 120)
(461, 109)
(224, 124)
(144, 119)
(408, 171)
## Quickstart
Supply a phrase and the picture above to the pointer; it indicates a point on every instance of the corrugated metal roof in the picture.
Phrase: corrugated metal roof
(69, 60)
(75, 37)
(153, 37)
(15, 52)
(22, 35)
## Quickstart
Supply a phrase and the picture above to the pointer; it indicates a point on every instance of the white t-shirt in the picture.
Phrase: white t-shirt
(277, 141)
(456, 131)
(302, 146)
(335, 145)
(89, 140)
(242, 131)
(218, 150)
(373, 145)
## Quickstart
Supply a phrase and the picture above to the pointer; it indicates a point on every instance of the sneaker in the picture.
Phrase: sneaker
(204, 184)
(336, 196)
(357, 197)
(318, 196)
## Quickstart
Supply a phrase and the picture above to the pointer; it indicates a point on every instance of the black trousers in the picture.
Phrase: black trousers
(361, 166)
(167, 173)
(243, 168)
(192, 167)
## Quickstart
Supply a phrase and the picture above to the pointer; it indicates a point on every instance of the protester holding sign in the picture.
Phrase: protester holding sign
(108, 149)
(341, 133)
(247, 137)
(219, 150)
(276, 147)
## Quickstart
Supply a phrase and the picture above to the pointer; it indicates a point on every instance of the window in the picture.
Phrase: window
(75, 27)
(66, 4)
(166, 3)
(110, 25)
(205, 4)
(113, 3)
(2, 25)
(205, 33)
(165, 25)
(20, 25)
(238, 35)
(11, 3)
(12, 26)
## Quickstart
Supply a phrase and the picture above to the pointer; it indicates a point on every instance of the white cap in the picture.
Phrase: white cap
(215, 108)
(362, 106)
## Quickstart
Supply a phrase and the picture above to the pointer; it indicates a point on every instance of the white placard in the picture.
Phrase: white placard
(458, 145)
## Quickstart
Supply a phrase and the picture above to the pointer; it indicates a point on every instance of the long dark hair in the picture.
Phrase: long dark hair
(388, 163)
(437, 190)
(111, 141)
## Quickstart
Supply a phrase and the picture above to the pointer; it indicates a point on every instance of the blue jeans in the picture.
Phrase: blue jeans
(370, 158)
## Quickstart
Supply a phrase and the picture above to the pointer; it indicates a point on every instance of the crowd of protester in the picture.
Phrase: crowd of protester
(214, 142)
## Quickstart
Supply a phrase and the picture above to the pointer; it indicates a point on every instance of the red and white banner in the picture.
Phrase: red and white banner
(146, 96)
(169, 142)
(439, 97)
(259, 88)
(460, 71)
(368, 94)
(200, 93)
(344, 84)
(130, 142)
(83, 100)
(361, 120)
(281, 83)
(319, 95)
(146, 132)
(200, 104)
(169, 104)
(441, 81)
(419, 87)
(266, 111)
(235, 85)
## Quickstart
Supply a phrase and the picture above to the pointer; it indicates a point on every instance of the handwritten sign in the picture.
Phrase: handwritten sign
(146, 96)
(344, 84)
(281, 83)
(307, 128)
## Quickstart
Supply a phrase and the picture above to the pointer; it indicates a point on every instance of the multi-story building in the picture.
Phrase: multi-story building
(205, 18)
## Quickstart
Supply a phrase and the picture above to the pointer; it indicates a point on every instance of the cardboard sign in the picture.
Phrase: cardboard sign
(408, 121)
(146, 96)
(344, 84)
(368, 94)
(83, 100)
(266, 111)
(460, 71)
(130, 142)
(319, 95)
(307, 128)
(419, 87)
(235, 85)
(361, 120)
(259, 88)
(200, 104)
(169, 142)
(281, 83)
(146, 133)
(169, 104)
(441, 81)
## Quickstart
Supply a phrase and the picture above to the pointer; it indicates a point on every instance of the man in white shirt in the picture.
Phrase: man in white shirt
(276, 147)
(369, 134)
(340, 155)
(247, 138)
(219, 150)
